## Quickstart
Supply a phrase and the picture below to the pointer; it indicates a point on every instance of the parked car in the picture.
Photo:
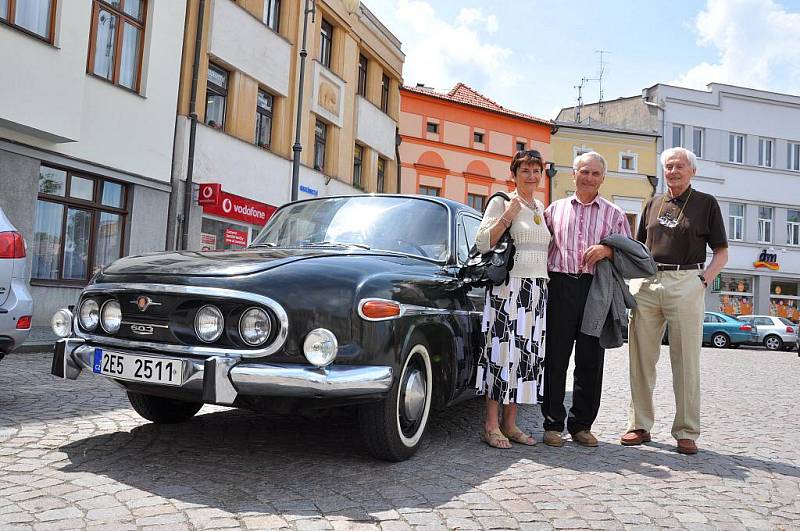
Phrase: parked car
(339, 301)
(16, 304)
(775, 333)
(723, 331)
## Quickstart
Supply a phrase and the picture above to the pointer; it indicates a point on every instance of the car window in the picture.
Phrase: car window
(708, 318)
(785, 321)
(467, 230)
(764, 321)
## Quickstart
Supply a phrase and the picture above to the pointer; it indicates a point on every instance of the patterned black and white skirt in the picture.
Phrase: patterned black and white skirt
(511, 365)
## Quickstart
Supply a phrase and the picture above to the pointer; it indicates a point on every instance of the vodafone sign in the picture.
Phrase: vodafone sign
(234, 206)
(209, 194)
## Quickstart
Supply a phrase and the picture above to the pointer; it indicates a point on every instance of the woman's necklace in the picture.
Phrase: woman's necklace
(536, 217)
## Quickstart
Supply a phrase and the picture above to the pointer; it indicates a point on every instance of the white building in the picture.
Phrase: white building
(748, 147)
(87, 122)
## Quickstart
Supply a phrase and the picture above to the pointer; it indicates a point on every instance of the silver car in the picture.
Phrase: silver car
(16, 304)
(775, 333)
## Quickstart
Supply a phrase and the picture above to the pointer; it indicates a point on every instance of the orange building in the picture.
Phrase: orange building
(459, 144)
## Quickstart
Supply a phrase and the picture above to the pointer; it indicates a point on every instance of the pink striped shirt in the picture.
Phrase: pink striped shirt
(576, 227)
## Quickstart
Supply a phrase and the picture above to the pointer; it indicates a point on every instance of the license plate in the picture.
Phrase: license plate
(165, 371)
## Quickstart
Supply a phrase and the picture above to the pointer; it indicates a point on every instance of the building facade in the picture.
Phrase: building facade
(459, 144)
(87, 120)
(630, 156)
(247, 85)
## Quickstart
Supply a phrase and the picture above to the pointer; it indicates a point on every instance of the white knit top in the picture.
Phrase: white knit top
(530, 239)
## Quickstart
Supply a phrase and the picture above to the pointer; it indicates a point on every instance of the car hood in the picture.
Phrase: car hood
(224, 263)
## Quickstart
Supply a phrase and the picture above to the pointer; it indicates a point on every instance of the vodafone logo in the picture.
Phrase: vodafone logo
(208, 192)
(227, 204)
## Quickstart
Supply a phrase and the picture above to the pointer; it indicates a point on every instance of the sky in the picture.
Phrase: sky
(529, 55)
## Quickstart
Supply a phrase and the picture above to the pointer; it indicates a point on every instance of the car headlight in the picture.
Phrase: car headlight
(254, 326)
(61, 323)
(320, 347)
(209, 323)
(89, 314)
(111, 316)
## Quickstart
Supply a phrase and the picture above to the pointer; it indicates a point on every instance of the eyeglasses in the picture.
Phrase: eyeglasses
(529, 153)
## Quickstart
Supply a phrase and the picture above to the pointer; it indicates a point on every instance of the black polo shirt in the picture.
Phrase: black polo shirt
(697, 222)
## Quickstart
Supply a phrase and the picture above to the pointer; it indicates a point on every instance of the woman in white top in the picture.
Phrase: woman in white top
(511, 365)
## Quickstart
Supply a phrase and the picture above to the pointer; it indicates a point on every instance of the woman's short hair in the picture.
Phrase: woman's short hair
(527, 156)
(589, 155)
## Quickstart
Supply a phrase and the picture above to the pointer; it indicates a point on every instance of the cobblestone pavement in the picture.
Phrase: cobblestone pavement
(72, 455)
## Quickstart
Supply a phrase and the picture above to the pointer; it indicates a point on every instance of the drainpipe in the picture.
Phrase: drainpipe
(187, 192)
(397, 141)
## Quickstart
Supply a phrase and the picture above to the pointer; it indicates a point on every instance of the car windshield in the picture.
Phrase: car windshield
(399, 224)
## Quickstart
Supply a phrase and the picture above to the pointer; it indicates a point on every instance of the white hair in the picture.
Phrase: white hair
(691, 157)
(589, 155)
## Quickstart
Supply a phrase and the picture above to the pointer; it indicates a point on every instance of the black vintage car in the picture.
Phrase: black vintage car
(339, 301)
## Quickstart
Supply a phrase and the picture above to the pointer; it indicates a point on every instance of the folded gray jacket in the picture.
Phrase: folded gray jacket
(604, 313)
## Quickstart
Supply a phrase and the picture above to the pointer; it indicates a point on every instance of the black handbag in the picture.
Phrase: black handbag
(490, 268)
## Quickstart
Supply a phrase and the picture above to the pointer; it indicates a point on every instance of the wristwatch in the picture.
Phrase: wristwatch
(703, 280)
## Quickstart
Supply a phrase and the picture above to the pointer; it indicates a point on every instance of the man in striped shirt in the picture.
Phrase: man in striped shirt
(577, 224)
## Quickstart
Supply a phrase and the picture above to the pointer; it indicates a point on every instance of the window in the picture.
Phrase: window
(793, 156)
(115, 46)
(272, 14)
(385, 93)
(793, 227)
(363, 63)
(627, 162)
(736, 148)
(429, 190)
(765, 152)
(79, 225)
(264, 119)
(433, 127)
(478, 202)
(35, 17)
(765, 224)
(734, 294)
(325, 43)
(697, 141)
(677, 135)
(631, 217)
(521, 146)
(216, 96)
(381, 175)
(736, 221)
(320, 137)
(478, 138)
(358, 165)
(467, 231)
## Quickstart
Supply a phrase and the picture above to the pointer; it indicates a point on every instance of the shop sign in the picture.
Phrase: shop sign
(208, 242)
(240, 208)
(235, 237)
(768, 260)
(309, 190)
(209, 194)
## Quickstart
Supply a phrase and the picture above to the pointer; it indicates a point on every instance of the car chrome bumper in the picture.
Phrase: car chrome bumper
(221, 379)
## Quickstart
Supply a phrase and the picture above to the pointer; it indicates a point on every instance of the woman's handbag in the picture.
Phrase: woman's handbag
(490, 268)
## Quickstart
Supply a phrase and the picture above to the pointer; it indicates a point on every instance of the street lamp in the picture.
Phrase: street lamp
(310, 7)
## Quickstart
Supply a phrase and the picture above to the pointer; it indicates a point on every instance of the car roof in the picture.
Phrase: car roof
(752, 315)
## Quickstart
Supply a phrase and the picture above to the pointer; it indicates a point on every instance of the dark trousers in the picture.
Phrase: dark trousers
(565, 304)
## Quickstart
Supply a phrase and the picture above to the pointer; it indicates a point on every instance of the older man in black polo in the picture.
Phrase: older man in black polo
(676, 227)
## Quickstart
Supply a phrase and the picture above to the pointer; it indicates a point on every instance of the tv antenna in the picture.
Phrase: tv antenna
(585, 80)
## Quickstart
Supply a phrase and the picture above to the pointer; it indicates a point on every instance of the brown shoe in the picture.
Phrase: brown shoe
(687, 446)
(635, 437)
(585, 438)
(552, 438)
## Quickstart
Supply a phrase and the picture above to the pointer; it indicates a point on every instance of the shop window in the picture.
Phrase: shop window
(793, 227)
(326, 43)
(115, 45)
(272, 14)
(363, 64)
(765, 224)
(34, 17)
(735, 221)
(735, 294)
(79, 226)
(784, 301)
(381, 187)
(358, 166)
(476, 201)
(385, 82)
(217, 235)
(320, 140)
(430, 190)
(264, 119)
(216, 96)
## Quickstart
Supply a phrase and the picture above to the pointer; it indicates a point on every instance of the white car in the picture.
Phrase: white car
(16, 304)
(775, 333)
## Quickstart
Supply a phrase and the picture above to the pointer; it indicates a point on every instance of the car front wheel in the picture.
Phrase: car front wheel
(773, 343)
(393, 427)
(720, 340)
(163, 410)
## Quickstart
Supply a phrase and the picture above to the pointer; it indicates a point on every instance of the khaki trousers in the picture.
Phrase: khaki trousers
(675, 298)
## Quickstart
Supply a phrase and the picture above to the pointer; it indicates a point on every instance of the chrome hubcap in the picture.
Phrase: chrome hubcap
(414, 396)
(772, 343)
(719, 341)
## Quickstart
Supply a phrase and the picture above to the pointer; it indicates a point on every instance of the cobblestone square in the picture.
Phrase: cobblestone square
(73, 455)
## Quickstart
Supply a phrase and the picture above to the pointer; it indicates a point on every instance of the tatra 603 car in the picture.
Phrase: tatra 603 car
(339, 301)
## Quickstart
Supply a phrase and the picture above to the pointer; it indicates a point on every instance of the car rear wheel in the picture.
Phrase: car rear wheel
(773, 343)
(393, 427)
(163, 410)
(720, 340)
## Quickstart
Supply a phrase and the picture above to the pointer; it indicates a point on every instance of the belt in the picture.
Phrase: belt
(679, 267)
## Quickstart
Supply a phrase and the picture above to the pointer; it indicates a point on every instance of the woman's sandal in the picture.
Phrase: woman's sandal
(519, 436)
(494, 438)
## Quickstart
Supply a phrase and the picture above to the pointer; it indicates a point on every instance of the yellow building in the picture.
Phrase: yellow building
(247, 82)
(630, 155)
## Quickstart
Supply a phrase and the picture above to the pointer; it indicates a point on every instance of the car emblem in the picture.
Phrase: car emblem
(142, 329)
(143, 302)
